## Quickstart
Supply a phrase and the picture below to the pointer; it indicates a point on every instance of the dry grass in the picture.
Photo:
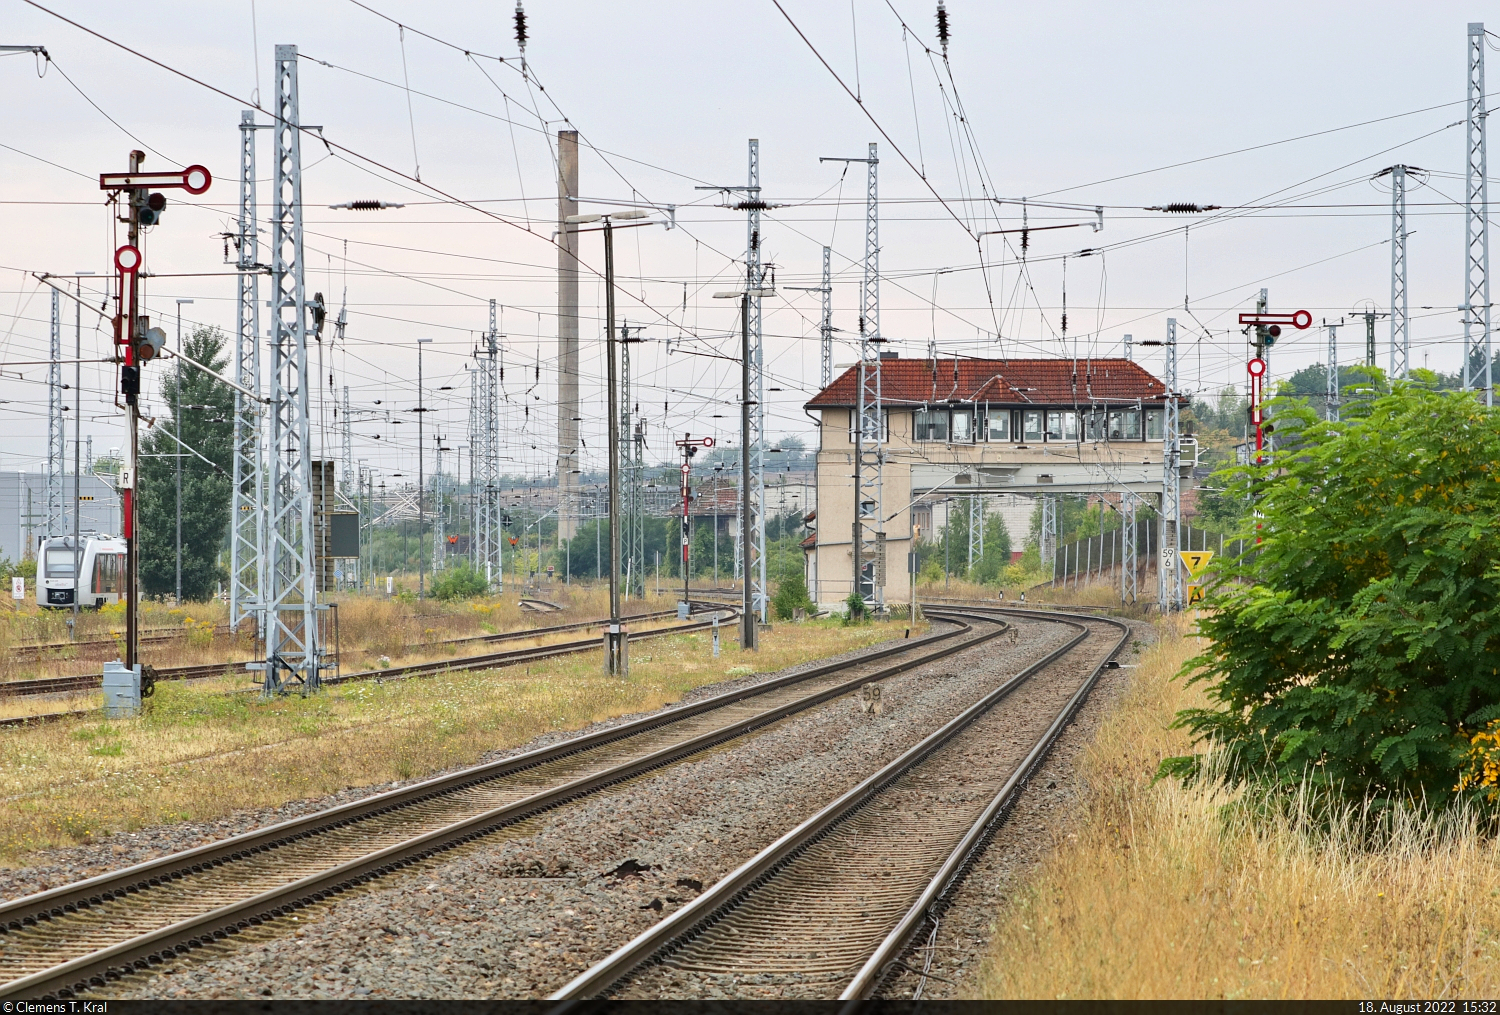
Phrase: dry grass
(199, 753)
(1100, 592)
(1167, 892)
(369, 627)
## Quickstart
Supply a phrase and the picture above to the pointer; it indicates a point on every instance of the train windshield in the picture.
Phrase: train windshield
(61, 562)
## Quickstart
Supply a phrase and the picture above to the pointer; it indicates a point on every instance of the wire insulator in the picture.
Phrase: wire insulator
(520, 26)
(1184, 208)
(942, 26)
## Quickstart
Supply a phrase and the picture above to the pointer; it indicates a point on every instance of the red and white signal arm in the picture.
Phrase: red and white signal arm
(708, 442)
(1300, 319)
(193, 179)
(686, 469)
(1257, 367)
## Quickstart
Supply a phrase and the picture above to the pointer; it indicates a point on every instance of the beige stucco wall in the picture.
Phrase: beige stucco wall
(943, 469)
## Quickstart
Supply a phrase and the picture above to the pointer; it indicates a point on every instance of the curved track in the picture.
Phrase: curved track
(79, 936)
(828, 908)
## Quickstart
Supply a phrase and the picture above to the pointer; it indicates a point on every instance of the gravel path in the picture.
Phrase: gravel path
(52, 868)
(519, 913)
(1043, 814)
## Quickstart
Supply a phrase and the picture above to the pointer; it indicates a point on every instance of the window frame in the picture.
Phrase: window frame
(1041, 423)
(953, 416)
(990, 415)
(921, 427)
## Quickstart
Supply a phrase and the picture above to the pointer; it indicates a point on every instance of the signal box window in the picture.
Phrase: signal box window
(930, 425)
(999, 425)
(1155, 425)
(963, 426)
(1031, 425)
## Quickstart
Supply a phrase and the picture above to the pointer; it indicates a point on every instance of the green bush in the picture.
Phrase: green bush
(858, 609)
(1357, 644)
(461, 582)
(791, 594)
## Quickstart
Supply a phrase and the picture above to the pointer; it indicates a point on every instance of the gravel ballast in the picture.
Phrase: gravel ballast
(55, 867)
(520, 912)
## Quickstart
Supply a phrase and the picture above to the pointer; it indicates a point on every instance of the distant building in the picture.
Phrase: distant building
(955, 427)
(23, 510)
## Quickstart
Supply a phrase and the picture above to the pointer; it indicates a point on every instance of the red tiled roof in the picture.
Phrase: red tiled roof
(1003, 381)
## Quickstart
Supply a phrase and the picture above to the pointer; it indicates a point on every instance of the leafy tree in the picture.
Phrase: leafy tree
(1229, 412)
(990, 566)
(1357, 643)
(201, 416)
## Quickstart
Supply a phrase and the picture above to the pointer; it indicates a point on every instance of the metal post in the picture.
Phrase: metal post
(421, 473)
(1476, 304)
(1168, 580)
(687, 543)
(346, 448)
(128, 307)
(747, 615)
(439, 532)
(292, 638)
(56, 441)
(567, 334)
(1370, 339)
(1400, 332)
(616, 662)
(77, 451)
(1331, 406)
(177, 427)
(247, 527)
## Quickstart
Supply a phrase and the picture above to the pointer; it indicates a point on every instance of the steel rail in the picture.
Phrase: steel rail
(92, 681)
(140, 951)
(493, 660)
(683, 925)
(880, 963)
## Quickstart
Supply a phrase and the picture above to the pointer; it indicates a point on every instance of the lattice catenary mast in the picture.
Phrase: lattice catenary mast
(1476, 305)
(1168, 578)
(484, 440)
(755, 558)
(868, 533)
(1400, 318)
(825, 330)
(247, 524)
(293, 650)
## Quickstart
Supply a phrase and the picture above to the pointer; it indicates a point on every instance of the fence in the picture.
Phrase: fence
(1095, 556)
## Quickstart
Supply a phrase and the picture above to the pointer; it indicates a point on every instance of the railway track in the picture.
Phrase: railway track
(92, 681)
(71, 939)
(33, 652)
(491, 660)
(830, 907)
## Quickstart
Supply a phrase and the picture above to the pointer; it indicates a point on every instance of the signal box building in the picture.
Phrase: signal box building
(958, 427)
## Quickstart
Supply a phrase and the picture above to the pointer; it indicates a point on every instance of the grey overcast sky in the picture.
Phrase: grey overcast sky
(1079, 104)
